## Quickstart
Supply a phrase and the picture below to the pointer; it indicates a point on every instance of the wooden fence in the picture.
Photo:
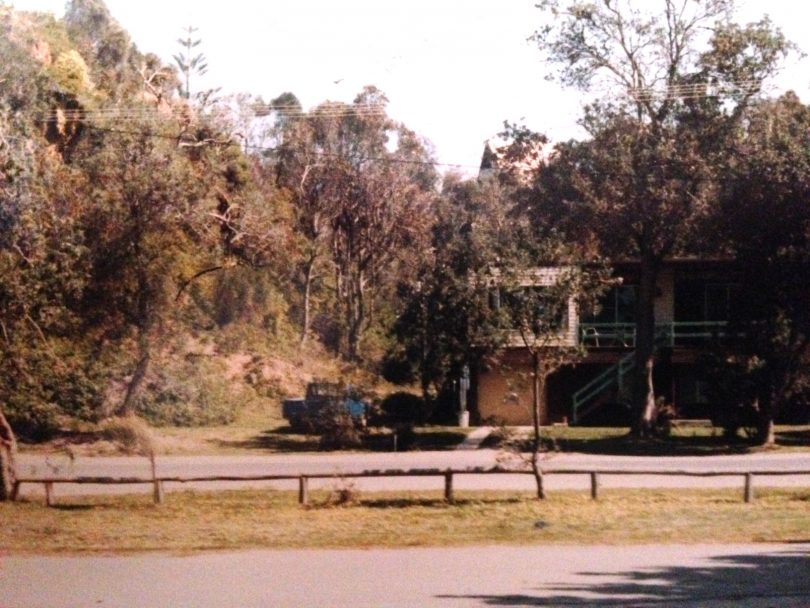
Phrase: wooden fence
(448, 475)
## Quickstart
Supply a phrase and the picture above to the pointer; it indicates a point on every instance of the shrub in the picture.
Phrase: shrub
(192, 395)
(403, 408)
(131, 433)
(337, 429)
(33, 420)
(343, 493)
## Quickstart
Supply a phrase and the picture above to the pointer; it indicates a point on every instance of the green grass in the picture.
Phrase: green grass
(698, 441)
(196, 521)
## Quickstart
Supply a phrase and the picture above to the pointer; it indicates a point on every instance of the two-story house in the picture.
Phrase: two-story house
(692, 307)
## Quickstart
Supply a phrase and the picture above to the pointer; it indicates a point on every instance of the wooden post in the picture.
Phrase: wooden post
(749, 487)
(49, 493)
(595, 485)
(157, 485)
(303, 490)
(448, 486)
(15, 492)
(157, 491)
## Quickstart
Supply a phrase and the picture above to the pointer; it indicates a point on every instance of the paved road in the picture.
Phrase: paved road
(716, 576)
(334, 464)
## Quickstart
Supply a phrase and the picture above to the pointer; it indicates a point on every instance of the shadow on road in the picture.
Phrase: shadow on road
(285, 439)
(774, 579)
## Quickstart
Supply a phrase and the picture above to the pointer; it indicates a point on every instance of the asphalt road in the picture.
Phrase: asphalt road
(336, 464)
(716, 576)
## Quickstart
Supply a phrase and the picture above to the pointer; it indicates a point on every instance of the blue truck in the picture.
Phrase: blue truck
(321, 396)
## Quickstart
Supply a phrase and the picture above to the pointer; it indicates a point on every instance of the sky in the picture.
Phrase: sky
(453, 70)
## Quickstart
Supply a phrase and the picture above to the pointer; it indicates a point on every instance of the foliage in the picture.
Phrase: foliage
(447, 320)
(354, 200)
(129, 432)
(189, 63)
(765, 219)
(70, 72)
(403, 408)
(649, 171)
(336, 428)
(189, 394)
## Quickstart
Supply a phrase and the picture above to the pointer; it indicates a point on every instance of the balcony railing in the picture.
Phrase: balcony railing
(674, 333)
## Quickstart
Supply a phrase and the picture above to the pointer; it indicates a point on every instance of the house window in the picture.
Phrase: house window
(617, 306)
(698, 301)
(718, 301)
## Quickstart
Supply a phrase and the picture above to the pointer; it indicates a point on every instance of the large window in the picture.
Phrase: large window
(698, 300)
(616, 306)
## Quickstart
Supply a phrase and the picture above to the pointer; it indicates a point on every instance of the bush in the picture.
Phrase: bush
(193, 395)
(403, 408)
(33, 420)
(337, 429)
(131, 433)
(343, 493)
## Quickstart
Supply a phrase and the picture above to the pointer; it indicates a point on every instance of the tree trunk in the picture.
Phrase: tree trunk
(8, 448)
(766, 433)
(643, 406)
(538, 385)
(355, 317)
(138, 376)
(308, 275)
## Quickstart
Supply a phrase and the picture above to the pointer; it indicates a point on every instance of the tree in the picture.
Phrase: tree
(447, 320)
(106, 47)
(538, 302)
(8, 168)
(647, 175)
(358, 194)
(192, 64)
(141, 194)
(8, 449)
(764, 216)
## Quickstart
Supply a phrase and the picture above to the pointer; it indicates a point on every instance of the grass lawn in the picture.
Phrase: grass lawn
(231, 520)
(240, 438)
(696, 441)
(256, 436)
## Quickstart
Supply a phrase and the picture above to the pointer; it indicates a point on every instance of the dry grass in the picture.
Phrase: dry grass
(193, 521)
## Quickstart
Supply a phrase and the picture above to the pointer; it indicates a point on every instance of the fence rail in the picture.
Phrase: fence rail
(447, 474)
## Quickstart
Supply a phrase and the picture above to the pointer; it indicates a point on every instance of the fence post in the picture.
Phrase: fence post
(49, 493)
(303, 490)
(157, 485)
(594, 485)
(157, 492)
(749, 487)
(448, 486)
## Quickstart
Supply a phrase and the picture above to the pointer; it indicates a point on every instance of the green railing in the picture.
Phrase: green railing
(623, 335)
(675, 333)
(614, 375)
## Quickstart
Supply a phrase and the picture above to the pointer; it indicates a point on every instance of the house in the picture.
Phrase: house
(692, 308)
(693, 301)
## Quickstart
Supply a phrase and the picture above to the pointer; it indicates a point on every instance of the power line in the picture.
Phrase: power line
(685, 92)
(379, 159)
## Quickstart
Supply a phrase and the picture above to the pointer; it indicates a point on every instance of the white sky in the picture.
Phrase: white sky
(453, 70)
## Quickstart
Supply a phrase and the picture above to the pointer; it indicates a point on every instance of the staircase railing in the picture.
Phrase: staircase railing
(613, 375)
(599, 335)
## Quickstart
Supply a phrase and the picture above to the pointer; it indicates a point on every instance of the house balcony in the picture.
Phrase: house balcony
(672, 333)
